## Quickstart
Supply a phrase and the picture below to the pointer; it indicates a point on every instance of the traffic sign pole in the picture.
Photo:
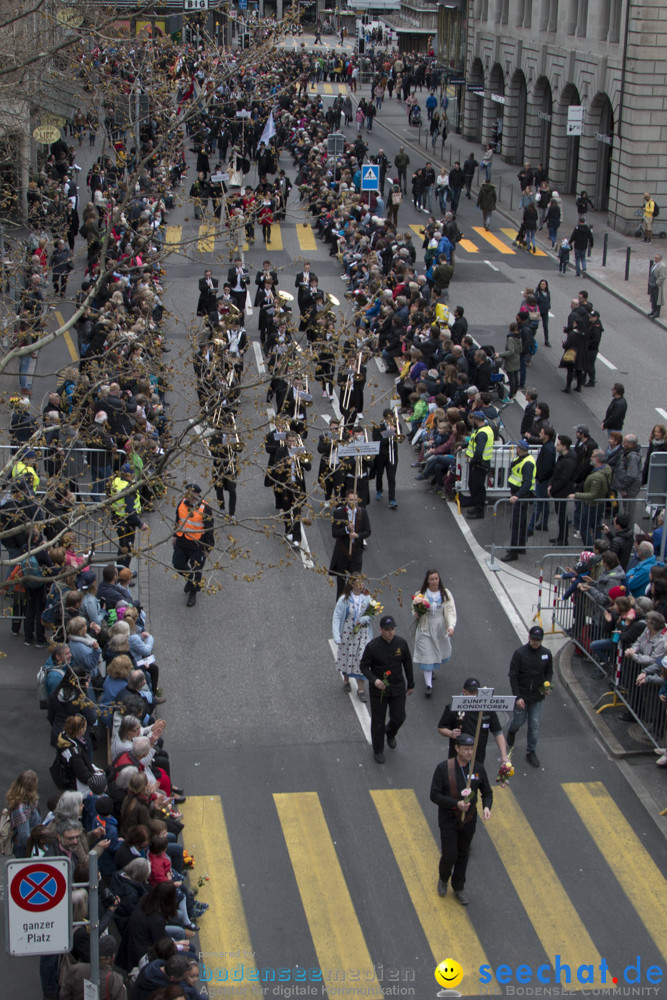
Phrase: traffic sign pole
(38, 906)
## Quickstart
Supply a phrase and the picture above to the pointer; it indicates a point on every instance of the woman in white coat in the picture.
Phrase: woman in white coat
(435, 629)
(348, 614)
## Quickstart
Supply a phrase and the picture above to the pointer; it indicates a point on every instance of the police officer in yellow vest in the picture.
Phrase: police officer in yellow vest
(193, 539)
(478, 453)
(522, 486)
(125, 513)
(25, 467)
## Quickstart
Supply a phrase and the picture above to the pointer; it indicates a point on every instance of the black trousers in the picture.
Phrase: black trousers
(382, 463)
(222, 483)
(563, 523)
(519, 523)
(126, 537)
(380, 702)
(455, 840)
(477, 486)
(189, 563)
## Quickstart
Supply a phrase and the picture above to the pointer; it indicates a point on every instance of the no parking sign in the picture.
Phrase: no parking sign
(38, 906)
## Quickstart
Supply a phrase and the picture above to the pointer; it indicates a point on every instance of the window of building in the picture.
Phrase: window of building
(582, 18)
(614, 34)
(520, 8)
(497, 14)
(553, 15)
(571, 23)
(528, 13)
(506, 12)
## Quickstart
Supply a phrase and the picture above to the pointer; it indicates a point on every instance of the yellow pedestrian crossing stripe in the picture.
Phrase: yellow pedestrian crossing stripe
(337, 936)
(554, 918)
(224, 932)
(512, 233)
(173, 235)
(206, 240)
(340, 939)
(306, 236)
(493, 240)
(276, 241)
(468, 245)
(333, 88)
(67, 337)
(445, 923)
(639, 876)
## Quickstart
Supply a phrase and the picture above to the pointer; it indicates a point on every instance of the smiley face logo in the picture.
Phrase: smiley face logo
(448, 973)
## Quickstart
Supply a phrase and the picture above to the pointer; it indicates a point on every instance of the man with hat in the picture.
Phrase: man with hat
(531, 668)
(452, 724)
(521, 482)
(193, 539)
(125, 513)
(478, 452)
(455, 789)
(384, 663)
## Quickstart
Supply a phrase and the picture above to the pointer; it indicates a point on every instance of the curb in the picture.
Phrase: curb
(508, 218)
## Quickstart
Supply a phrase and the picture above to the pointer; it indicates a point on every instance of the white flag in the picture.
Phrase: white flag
(269, 130)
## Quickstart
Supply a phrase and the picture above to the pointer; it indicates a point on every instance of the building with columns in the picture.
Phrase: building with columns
(578, 85)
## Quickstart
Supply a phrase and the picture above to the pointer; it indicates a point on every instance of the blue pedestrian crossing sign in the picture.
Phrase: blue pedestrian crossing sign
(370, 177)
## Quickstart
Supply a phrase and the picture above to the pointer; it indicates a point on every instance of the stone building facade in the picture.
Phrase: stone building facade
(530, 64)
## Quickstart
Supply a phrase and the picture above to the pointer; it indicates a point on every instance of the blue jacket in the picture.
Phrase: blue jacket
(444, 246)
(637, 578)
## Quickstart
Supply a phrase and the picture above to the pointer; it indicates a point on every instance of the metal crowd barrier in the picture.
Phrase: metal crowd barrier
(582, 619)
(496, 481)
(77, 465)
(585, 519)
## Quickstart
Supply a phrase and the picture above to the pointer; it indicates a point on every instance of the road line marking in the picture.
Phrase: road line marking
(306, 236)
(208, 839)
(492, 266)
(468, 245)
(328, 88)
(494, 241)
(631, 864)
(446, 924)
(547, 905)
(276, 241)
(67, 337)
(206, 240)
(332, 921)
(604, 361)
(359, 707)
(173, 235)
(663, 413)
(259, 360)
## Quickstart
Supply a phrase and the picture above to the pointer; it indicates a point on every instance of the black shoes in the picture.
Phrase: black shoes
(475, 515)
(533, 759)
(509, 557)
(509, 739)
(442, 887)
(192, 599)
(391, 742)
(379, 757)
(461, 896)
(428, 692)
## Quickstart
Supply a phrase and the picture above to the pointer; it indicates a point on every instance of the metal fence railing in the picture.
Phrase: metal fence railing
(86, 470)
(629, 685)
(528, 523)
(496, 480)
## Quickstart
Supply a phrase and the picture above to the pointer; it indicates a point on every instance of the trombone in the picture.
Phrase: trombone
(333, 453)
(395, 437)
(237, 444)
(359, 461)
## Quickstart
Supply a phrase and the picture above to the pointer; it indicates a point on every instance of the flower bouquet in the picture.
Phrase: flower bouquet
(505, 772)
(374, 608)
(420, 608)
(545, 689)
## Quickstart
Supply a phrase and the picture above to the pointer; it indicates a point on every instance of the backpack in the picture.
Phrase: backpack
(61, 774)
(656, 209)
(53, 612)
(30, 567)
(6, 833)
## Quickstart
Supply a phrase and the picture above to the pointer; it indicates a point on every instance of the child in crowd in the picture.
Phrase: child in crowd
(563, 256)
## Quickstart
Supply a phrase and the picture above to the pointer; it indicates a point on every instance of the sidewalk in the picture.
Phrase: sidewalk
(393, 117)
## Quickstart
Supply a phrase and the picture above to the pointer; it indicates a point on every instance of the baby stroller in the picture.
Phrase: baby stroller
(498, 384)
(415, 116)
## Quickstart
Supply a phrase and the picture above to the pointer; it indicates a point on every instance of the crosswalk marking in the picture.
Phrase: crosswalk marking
(468, 245)
(173, 235)
(328, 89)
(306, 236)
(276, 241)
(445, 923)
(493, 240)
(224, 931)
(337, 936)
(639, 876)
(67, 336)
(512, 233)
(206, 240)
(549, 908)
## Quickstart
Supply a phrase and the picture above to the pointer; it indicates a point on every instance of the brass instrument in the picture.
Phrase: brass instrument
(333, 453)
(306, 456)
(307, 402)
(399, 437)
(237, 444)
(359, 460)
(358, 377)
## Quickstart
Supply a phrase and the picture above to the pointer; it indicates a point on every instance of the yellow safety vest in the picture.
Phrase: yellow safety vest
(21, 469)
(118, 484)
(488, 445)
(515, 477)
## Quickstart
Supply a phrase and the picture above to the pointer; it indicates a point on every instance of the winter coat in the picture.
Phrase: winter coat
(512, 353)
(486, 198)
